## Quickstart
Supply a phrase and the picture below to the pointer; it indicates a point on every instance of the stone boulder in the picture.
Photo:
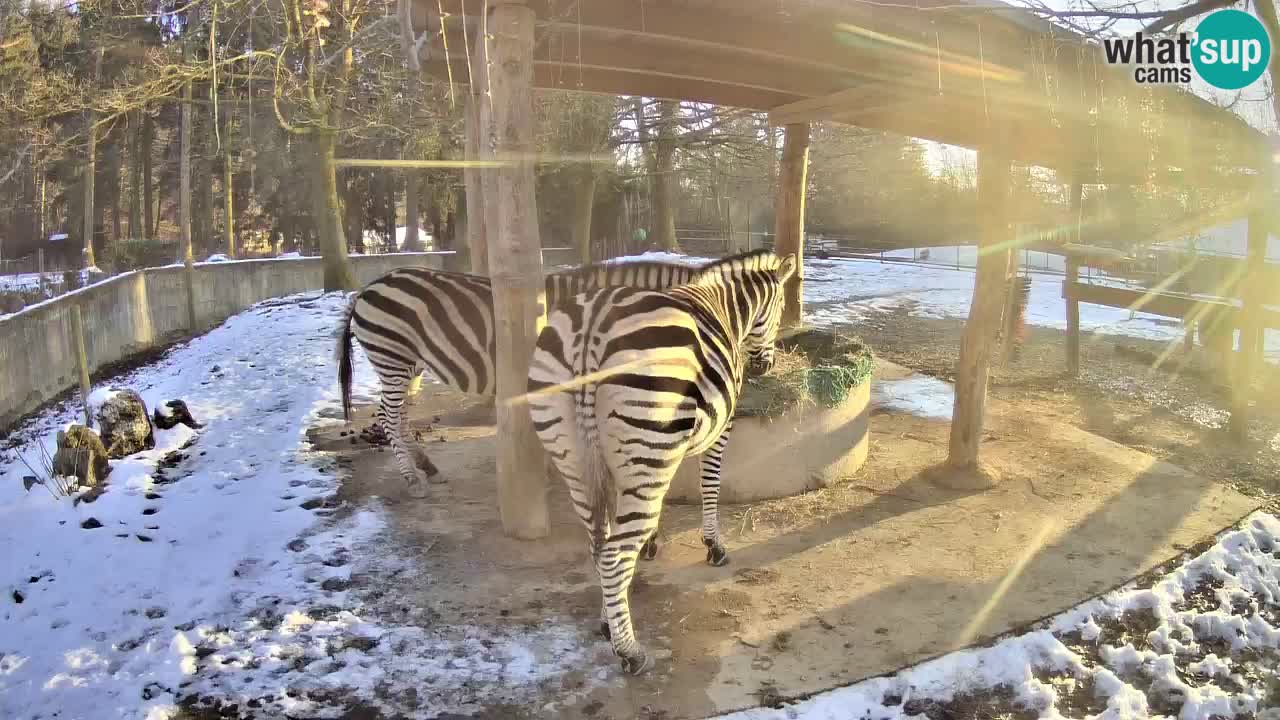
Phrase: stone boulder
(124, 424)
(81, 455)
(173, 414)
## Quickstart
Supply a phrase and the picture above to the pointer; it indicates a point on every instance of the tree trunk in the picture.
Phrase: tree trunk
(91, 167)
(411, 213)
(207, 205)
(389, 206)
(352, 211)
(789, 215)
(136, 231)
(151, 216)
(113, 172)
(1252, 296)
(515, 261)
(44, 203)
(328, 216)
(584, 202)
(434, 219)
(184, 198)
(445, 241)
(228, 209)
(664, 180)
(478, 229)
(984, 316)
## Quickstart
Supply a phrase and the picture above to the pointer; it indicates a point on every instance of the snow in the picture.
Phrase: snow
(966, 256)
(664, 257)
(210, 576)
(921, 395)
(840, 292)
(1229, 239)
(23, 281)
(373, 239)
(99, 397)
(1246, 563)
(217, 257)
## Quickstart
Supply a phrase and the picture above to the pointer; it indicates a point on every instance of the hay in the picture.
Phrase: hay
(812, 367)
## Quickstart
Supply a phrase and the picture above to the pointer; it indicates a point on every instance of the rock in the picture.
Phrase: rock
(173, 414)
(81, 455)
(10, 303)
(124, 425)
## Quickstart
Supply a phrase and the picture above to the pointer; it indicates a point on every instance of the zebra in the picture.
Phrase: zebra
(411, 319)
(625, 382)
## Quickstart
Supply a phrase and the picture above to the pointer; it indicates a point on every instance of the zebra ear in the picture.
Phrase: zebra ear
(787, 268)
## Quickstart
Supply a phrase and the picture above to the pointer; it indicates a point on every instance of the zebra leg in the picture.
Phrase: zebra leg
(395, 426)
(717, 555)
(616, 564)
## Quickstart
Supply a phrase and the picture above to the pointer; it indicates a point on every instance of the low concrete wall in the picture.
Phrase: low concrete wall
(807, 448)
(146, 310)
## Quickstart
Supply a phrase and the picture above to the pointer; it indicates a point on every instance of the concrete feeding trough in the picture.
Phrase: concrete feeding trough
(803, 426)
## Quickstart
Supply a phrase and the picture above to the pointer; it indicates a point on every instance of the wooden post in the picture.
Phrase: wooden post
(789, 208)
(1007, 312)
(984, 314)
(228, 218)
(515, 265)
(40, 267)
(1073, 275)
(1251, 325)
(82, 361)
(477, 100)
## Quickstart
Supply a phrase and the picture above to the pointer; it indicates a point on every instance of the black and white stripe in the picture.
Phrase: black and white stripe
(626, 382)
(412, 319)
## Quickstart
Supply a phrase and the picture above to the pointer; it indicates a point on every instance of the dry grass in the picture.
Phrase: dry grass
(815, 366)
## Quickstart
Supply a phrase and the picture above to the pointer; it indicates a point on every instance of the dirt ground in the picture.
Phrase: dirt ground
(1177, 413)
(884, 570)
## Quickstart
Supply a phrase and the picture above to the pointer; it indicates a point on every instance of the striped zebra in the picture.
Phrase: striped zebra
(412, 319)
(625, 382)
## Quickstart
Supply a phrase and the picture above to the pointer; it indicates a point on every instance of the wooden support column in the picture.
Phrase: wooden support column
(1073, 275)
(474, 178)
(515, 264)
(789, 209)
(1251, 325)
(984, 317)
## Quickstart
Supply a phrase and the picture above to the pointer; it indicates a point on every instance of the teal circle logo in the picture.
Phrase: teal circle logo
(1231, 49)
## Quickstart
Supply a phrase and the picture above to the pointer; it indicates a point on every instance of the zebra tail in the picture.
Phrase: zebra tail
(597, 481)
(344, 360)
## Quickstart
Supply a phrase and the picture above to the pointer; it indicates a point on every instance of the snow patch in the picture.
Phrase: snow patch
(216, 566)
(921, 395)
(662, 257)
(1244, 566)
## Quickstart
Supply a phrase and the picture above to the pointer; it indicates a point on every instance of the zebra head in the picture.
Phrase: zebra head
(764, 285)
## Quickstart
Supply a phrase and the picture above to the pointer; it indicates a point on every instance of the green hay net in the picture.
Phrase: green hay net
(814, 367)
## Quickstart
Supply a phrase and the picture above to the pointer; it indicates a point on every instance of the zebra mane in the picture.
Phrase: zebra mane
(750, 261)
(617, 267)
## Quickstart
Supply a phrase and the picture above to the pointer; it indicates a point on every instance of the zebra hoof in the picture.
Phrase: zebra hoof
(637, 664)
(650, 550)
(604, 630)
(416, 488)
(717, 556)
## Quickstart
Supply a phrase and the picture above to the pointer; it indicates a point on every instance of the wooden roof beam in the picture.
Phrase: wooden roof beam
(829, 107)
